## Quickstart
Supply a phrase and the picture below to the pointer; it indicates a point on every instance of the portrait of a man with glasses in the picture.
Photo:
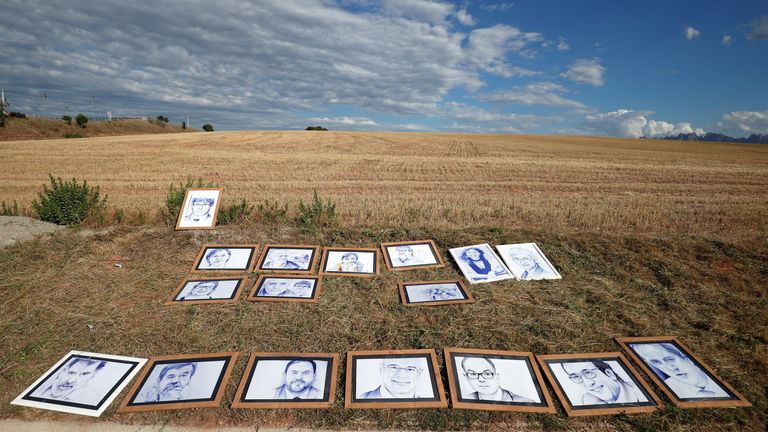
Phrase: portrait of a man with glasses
(600, 383)
(485, 379)
(399, 379)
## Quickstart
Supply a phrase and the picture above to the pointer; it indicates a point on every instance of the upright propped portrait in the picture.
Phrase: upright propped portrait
(350, 262)
(496, 380)
(225, 259)
(303, 288)
(393, 379)
(527, 261)
(412, 255)
(597, 384)
(81, 383)
(288, 258)
(288, 380)
(181, 381)
(208, 290)
(199, 209)
(480, 264)
(680, 374)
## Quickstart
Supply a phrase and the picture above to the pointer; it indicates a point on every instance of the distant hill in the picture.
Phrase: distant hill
(752, 139)
(38, 128)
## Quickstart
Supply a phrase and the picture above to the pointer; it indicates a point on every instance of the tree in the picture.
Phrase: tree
(81, 120)
(208, 127)
(67, 118)
(183, 125)
(162, 118)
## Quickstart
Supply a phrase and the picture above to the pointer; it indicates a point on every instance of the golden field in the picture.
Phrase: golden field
(413, 179)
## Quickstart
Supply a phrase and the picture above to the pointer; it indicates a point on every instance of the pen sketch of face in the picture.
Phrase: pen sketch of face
(299, 375)
(173, 379)
(404, 254)
(302, 288)
(473, 254)
(443, 292)
(280, 260)
(524, 258)
(218, 258)
(400, 376)
(271, 287)
(596, 377)
(204, 288)
(349, 263)
(481, 375)
(669, 360)
(73, 377)
(201, 207)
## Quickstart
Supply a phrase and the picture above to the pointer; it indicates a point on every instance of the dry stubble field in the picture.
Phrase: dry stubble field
(651, 238)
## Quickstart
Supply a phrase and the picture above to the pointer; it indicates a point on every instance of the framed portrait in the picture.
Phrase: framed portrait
(180, 382)
(218, 258)
(434, 293)
(208, 290)
(527, 262)
(597, 384)
(350, 262)
(479, 264)
(288, 380)
(680, 374)
(393, 379)
(288, 258)
(199, 209)
(496, 380)
(411, 255)
(284, 288)
(83, 383)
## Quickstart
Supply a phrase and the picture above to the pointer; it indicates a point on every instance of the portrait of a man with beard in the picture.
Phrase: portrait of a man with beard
(298, 380)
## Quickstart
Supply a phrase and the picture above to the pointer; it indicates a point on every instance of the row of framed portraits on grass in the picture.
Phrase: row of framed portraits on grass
(479, 263)
(585, 384)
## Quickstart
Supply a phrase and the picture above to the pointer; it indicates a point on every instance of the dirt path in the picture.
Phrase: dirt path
(19, 228)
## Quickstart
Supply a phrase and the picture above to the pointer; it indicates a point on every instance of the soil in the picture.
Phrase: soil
(20, 228)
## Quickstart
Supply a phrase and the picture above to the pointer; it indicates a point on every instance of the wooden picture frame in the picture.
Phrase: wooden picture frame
(311, 261)
(186, 219)
(233, 298)
(395, 264)
(407, 298)
(422, 361)
(204, 253)
(316, 287)
(331, 260)
(731, 398)
(536, 388)
(216, 395)
(651, 403)
(241, 401)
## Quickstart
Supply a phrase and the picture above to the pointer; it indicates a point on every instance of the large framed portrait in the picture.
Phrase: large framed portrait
(597, 384)
(285, 288)
(527, 262)
(288, 258)
(216, 258)
(208, 290)
(496, 380)
(83, 383)
(393, 379)
(180, 382)
(434, 293)
(681, 375)
(350, 262)
(479, 264)
(199, 209)
(411, 255)
(288, 380)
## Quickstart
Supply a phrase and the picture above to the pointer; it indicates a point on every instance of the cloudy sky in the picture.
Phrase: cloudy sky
(563, 67)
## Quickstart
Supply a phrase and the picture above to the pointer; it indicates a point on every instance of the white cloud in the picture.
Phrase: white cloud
(690, 32)
(727, 40)
(543, 93)
(419, 10)
(759, 28)
(634, 124)
(477, 119)
(487, 49)
(586, 71)
(346, 121)
(745, 122)
(498, 6)
(465, 18)
(562, 45)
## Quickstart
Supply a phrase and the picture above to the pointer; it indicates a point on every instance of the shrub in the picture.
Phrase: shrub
(9, 210)
(208, 127)
(162, 118)
(67, 119)
(183, 125)
(316, 214)
(69, 203)
(73, 135)
(318, 128)
(16, 114)
(271, 211)
(81, 120)
(175, 198)
(235, 213)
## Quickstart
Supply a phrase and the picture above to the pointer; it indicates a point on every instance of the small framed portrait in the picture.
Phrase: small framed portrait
(496, 380)
(217, 258)
(393, 379)
(208, 290)
(83, 383)
(300, 288)
(527, 262)
(180, 382)
(434, 293)
(199, 209)
(288, 380)
(681, 375)
(597, 384)
(411, 255)
(479, 264)
(350, 262)
(288, 258)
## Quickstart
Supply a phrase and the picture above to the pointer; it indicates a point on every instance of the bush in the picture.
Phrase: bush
(16, 114)
(272, 211)
(175, 198)
(319, 128)
(67, 119)
(162, 118)
(183, 125)
(9, 210)
(234, 213)
(208, 127)
(317, 214)
(73, 135)
(81, 120)
(69, 203)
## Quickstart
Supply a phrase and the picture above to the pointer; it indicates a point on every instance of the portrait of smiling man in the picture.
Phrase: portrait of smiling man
(601, 383)
(399, 379)
(483, 377)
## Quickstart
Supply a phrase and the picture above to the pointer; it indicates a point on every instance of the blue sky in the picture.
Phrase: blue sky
(557, 67)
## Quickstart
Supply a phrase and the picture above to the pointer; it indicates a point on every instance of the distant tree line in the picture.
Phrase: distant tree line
(320, 128)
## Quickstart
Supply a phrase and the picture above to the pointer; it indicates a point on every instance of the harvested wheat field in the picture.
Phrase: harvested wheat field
(410, 180)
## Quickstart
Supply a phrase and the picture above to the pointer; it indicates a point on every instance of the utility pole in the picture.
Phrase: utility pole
(93, 98)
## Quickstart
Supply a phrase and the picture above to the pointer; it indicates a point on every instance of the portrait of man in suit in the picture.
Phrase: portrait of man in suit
(484, 379)
(298, 381)
(399, 379)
